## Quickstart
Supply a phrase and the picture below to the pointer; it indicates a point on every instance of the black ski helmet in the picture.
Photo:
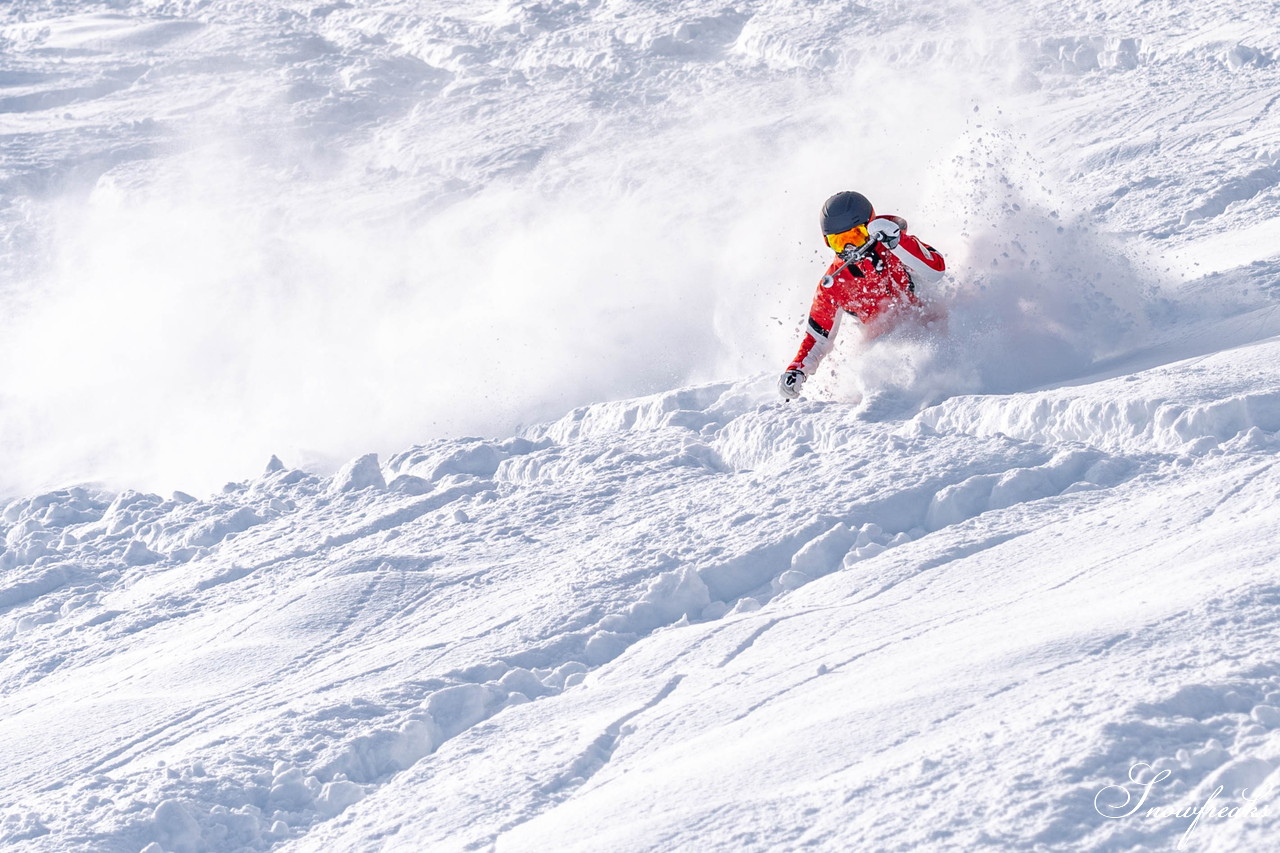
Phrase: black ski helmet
(844, 211)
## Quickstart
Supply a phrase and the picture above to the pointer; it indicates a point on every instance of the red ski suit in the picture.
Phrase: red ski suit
(868, 289)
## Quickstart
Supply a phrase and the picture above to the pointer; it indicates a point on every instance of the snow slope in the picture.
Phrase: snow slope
(974, 594)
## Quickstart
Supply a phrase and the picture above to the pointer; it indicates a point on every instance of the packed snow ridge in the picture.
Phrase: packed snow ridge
(1010, 583)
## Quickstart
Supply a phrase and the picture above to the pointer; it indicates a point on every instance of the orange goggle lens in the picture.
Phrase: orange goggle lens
(857, 235)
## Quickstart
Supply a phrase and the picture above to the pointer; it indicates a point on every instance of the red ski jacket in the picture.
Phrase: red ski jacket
(867, 289)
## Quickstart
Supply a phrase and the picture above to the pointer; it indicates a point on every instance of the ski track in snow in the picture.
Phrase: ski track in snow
(1040, 550)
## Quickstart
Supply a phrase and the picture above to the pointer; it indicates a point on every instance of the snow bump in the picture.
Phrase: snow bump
(360, 473)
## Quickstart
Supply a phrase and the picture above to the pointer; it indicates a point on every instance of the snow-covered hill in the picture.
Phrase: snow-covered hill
(984, 590)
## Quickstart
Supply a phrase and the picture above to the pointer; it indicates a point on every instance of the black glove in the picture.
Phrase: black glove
(789, 384)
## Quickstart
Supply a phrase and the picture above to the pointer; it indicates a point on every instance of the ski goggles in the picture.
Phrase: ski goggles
(857, 235)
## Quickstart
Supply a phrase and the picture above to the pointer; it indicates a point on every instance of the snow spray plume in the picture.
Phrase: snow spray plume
(1034, 295)
(209, 311)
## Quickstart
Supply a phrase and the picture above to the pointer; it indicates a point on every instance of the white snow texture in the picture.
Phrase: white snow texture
(1008, 582)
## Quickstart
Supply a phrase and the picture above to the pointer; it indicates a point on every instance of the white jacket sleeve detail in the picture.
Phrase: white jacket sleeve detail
(822, 345)
(920, 271)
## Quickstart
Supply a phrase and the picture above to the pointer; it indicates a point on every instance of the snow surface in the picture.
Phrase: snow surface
(1004, 585)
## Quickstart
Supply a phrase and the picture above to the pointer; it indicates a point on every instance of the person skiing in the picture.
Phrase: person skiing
(875, 273)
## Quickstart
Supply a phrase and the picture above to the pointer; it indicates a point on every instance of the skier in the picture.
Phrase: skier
(875, 273)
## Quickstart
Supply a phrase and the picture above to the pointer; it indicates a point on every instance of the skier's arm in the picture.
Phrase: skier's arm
(820, 332)
(921, 260)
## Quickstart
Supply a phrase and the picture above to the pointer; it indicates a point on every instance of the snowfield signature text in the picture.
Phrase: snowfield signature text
(1117, 801)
